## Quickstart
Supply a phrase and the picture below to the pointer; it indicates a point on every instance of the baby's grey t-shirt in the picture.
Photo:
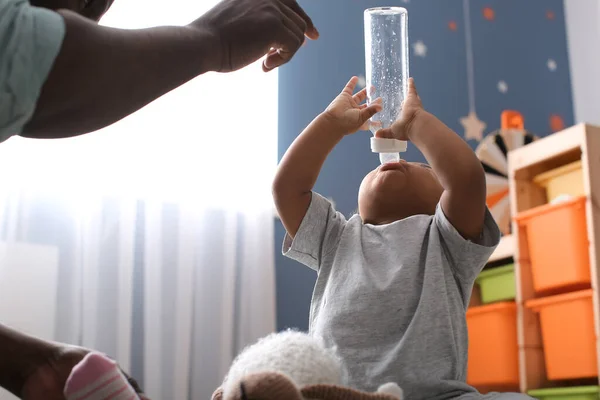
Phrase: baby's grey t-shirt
(391, 299)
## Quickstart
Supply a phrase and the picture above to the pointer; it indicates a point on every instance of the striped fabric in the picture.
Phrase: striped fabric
(97, 377)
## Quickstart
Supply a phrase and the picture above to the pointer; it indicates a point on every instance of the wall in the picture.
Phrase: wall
(582, 17)
(522, 44)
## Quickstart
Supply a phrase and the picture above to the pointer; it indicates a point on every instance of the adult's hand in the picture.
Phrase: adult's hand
(48, 378)
(35, 369)
(248, 29)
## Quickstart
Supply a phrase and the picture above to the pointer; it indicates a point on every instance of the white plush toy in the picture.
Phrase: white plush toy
(292, 366)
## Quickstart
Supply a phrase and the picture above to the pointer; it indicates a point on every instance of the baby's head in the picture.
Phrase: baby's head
(394, 191)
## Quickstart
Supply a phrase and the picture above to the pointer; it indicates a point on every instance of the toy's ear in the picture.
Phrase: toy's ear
(218, 394)
(392, 389)
(262, 386)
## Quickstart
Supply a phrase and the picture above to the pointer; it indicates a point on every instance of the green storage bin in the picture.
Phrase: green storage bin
(570, 393)
(497, 284)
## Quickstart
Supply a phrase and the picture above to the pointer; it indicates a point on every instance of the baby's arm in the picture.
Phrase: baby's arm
(453, 161)
(299, 169)
(301, 164)
(459, 171)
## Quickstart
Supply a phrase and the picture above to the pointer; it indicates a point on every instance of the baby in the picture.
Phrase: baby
(395, 280)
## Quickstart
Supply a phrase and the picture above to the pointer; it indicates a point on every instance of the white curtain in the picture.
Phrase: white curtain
(163, 222)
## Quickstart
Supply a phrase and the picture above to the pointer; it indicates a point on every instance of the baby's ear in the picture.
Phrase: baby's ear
(237, 394)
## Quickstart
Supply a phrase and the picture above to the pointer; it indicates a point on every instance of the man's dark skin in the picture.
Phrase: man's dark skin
(102, 75)
(34, 369)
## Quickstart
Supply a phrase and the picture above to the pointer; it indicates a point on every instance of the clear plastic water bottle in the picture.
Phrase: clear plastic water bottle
(386, 57)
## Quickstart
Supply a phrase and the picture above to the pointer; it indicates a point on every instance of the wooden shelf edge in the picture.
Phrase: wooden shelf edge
(550, 146)
(505, 249)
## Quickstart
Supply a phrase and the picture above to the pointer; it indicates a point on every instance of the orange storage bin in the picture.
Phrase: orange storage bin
(558, 245)
(567, 322)
(493, 351)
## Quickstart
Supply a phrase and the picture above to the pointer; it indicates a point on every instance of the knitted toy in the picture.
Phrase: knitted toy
(292, 366)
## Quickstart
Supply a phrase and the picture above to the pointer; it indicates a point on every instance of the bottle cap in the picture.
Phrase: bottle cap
(383, 145)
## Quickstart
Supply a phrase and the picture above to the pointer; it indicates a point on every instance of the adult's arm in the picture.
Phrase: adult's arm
(104, 74)
(20, 355)
(29, 365)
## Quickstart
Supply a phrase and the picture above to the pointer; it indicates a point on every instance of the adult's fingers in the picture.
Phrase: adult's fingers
(269, 56)
(294, 22)
(288, 45)
(276, 59)
(311, 31)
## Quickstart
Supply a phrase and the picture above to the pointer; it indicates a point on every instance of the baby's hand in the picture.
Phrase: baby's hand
(411, 109)
(348, 112)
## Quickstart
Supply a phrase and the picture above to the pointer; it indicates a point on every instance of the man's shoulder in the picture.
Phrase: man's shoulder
(31, 40)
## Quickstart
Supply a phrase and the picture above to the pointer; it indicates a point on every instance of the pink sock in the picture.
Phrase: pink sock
(97, 377)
